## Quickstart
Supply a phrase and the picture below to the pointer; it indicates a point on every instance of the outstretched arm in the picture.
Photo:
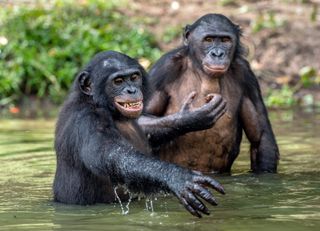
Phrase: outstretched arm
(158, 126)
(160, 129)
(264, 149)
(105, 153)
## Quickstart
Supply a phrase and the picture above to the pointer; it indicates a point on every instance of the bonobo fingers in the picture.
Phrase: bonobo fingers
(222, 105)
(188, 207)
(196, 203)
(204, 194)
(215, 99)
(208, 181)
(219, 110)
(209, 97)
(220, 113)
(215, 103)
(187, 102)
(191, 191)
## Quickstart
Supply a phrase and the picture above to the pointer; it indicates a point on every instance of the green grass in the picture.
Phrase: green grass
(41, 48)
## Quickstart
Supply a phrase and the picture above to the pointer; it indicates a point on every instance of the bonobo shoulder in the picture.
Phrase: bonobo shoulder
(243, 62)
(170, 57)
(99, 145)
(167, 68)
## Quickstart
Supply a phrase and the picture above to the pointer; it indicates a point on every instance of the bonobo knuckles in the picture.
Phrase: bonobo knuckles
(203, 117)
(191, 187)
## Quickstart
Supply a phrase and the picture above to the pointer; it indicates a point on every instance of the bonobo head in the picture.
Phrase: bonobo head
(213, 41)
(115, 81)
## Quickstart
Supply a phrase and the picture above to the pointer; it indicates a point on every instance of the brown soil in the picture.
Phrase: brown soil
(276, 54)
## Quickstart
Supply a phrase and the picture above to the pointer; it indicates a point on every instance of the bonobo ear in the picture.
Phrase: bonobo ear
(85, 82)
(186, 34)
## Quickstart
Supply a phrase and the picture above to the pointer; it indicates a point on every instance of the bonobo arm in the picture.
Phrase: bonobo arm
(264, 149)
(160, 129)
(105, 153)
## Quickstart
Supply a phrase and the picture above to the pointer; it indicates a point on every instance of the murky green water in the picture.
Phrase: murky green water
(289, 200)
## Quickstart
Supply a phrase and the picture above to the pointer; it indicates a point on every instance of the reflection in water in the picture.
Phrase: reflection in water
(289, 200)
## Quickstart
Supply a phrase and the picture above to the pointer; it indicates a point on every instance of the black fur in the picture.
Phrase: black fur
(94, 155)
(171, 66)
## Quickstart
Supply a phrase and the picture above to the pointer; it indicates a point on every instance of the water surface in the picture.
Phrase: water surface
(289, 200)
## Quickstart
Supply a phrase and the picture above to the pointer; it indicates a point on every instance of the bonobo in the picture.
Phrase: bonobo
(99, 145)
(211, 61)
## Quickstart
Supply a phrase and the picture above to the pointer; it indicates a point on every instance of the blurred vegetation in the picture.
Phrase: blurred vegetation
(42, 48)
(171, 33)
(267, 20)
(283, 97)
(308, 76)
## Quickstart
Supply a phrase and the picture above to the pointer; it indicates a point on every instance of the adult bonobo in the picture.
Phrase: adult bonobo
(99, 144)
(210, 61)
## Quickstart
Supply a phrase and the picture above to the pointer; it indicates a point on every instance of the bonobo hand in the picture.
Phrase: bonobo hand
(192, 185)
(203, 117)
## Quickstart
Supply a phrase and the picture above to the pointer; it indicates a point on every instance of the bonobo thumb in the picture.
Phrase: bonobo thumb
(187, 102)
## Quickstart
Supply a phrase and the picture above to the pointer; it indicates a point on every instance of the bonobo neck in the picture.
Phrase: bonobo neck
(122, 119)
(130, 130)
(211, 84)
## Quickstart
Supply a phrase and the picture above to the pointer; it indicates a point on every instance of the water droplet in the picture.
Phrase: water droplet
(149, 205)
(129, 201)
(118, 199)
(124, 209)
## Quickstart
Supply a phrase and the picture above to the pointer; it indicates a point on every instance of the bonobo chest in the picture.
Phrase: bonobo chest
(130, 130)
(203, 85)
(211, 149)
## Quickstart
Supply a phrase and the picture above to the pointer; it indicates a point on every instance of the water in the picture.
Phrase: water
(289, 200)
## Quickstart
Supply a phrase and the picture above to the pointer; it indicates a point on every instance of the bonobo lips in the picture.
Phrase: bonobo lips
(130, 109)
(215, 69)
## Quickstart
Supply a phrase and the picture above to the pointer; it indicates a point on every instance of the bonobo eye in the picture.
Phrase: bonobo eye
(226, 40)
(118, 81)
(134, 77)
(208, 39)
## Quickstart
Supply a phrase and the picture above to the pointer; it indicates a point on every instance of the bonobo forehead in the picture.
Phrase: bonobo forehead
(113, 60)
(113, 63)
(214, 23)
(109, 63)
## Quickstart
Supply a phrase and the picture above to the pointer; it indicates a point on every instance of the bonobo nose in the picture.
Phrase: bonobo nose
(216, 52)
(131, 90)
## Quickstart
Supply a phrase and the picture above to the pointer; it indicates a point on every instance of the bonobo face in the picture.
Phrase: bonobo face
(124, 86)
(115, 81)
(213, 41)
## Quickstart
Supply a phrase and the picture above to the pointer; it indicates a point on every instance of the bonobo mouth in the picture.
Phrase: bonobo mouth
(215, 69)
(130, 109)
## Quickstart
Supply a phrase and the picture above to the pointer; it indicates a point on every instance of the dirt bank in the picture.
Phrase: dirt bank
(282, 36)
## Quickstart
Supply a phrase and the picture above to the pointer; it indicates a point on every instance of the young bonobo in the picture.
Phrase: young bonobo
(210, 61)
(99, 144)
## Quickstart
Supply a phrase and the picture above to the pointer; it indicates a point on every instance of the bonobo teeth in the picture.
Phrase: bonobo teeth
(129, 105)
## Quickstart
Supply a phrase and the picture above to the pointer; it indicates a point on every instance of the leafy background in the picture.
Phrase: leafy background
(44, 43)
(45, 47)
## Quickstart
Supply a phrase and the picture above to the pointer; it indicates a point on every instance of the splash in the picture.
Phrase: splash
(124, 209)
(149, 204)
(129, 201)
